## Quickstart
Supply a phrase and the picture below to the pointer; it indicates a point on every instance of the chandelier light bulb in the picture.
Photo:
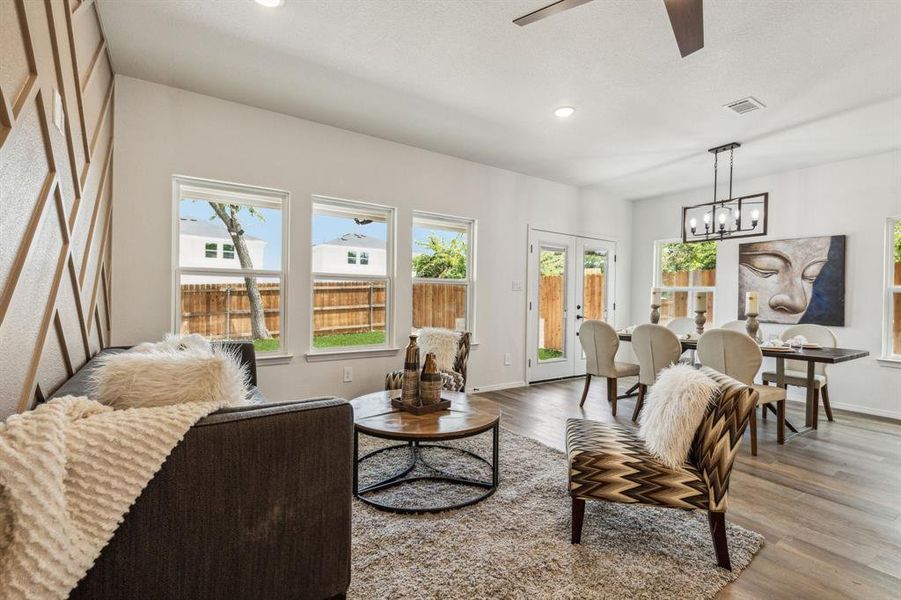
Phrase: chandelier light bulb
(722, 218)
(755, 214)
(707, 217)
(694, 225)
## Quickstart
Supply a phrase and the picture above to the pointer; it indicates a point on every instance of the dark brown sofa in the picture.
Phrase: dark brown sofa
(254, 503)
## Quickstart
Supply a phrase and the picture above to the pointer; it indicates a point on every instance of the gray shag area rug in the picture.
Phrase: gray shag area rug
(515, 544)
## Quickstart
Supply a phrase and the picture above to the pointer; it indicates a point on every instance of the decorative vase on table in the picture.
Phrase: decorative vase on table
(410, 391)
(430, 381)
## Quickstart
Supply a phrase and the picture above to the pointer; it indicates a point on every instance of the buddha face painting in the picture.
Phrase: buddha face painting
(798, 281)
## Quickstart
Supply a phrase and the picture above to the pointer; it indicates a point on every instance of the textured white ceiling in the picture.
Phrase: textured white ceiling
(456, 76)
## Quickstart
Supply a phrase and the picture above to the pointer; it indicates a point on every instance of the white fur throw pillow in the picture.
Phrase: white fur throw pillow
(175, 341)
(443, 342)
(169, 376)
(672, 412)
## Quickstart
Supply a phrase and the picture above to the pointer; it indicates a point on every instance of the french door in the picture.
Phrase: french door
(571, 278)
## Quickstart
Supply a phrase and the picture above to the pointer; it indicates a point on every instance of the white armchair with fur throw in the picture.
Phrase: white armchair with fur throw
(451, 349)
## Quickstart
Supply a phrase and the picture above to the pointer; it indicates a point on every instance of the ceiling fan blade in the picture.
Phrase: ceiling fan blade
(687, 19)
(549, 10)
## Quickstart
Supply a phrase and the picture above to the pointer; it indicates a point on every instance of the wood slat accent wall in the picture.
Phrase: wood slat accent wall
(55, 195)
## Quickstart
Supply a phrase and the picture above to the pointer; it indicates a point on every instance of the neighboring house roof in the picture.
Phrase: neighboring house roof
(355, 240)
(214, 230)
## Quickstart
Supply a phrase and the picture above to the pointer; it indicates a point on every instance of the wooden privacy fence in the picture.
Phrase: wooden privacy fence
(348, 307)
(677, 304)
(222, 310)
(438, 304)
(896, 301)
(551, 299)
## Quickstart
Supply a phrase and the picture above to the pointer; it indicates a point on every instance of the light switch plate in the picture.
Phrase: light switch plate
(517, 285)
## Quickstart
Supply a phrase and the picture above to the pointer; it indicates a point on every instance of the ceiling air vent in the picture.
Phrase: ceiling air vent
(745, 105)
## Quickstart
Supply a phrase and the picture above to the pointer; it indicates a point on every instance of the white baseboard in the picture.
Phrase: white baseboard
(497, 387)
(855, 408)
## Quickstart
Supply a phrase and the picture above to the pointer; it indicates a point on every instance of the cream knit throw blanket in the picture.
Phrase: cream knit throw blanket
(69, 471)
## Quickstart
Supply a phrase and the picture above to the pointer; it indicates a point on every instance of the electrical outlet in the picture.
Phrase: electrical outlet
(348, 374)
(507, 360)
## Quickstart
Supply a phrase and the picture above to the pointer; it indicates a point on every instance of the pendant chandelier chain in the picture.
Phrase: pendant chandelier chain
(715, 159)
(731, 162)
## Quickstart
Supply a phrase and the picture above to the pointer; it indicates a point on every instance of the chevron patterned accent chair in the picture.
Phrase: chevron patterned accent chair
(451, 380)
(609, 462)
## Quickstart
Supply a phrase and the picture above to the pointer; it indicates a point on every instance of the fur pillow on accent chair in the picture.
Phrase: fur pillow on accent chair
(169, 375)
(673, 411)
(443, 342)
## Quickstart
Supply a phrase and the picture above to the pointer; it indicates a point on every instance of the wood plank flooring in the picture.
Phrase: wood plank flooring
(829, 503)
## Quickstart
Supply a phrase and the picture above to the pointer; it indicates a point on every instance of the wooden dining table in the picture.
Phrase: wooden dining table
(809, 355)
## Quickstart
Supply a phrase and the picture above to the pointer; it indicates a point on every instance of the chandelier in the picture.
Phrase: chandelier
(727, 218)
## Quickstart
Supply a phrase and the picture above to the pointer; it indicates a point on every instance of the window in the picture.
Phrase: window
(443, 273)
(682, 269)
(220, 298)
(351, 297)
(892, 337)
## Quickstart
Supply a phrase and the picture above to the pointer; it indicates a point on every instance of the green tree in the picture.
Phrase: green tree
(228, 214)
(677, 257)
(898, 241)
(551, 263)
(441, 259)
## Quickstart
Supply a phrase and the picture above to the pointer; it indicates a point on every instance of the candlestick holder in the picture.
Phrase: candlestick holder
(700, 320)
(655, 314)
(753, 327)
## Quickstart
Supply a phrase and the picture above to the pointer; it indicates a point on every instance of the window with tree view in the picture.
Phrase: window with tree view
(352, 274)
(442, 272)
(236, 294)
(892, 346)
(683, 269)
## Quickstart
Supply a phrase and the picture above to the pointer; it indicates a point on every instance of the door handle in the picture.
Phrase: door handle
(579, 317)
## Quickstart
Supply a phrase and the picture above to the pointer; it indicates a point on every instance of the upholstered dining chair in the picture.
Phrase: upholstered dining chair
(600, 343)
(610, 462)
(796, 370)
(684, 326)
(737, 355)
(453, 380)
(656, 348)
(741, 326)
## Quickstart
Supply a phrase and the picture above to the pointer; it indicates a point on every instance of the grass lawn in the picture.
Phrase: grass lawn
(269, 345)
(549, 353)
(366, 338)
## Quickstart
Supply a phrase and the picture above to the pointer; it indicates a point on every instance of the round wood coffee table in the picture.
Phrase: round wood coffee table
(374, 416)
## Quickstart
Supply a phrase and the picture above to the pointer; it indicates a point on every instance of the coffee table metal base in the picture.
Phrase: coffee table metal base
(438, 475)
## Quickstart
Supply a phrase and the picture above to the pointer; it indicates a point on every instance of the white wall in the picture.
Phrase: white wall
(162, 131)
(851, 197)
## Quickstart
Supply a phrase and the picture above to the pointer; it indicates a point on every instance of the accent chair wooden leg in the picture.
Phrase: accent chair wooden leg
(752, 425)
(718, 532)
(826, 405)
(585, 390)
(642, 390)
(578, 517)
(611, 394)
(780, 422)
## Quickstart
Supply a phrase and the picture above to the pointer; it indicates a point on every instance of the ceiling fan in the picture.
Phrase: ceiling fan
(685, 16)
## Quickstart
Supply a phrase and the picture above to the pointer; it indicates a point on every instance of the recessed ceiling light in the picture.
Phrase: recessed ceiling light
(270, 3)
(565, 111)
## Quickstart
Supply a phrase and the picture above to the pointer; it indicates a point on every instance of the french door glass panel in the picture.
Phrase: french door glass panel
(552, 280)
